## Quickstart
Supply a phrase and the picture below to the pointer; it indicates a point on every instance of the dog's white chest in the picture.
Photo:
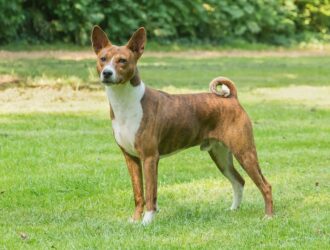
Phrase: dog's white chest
(125, 101)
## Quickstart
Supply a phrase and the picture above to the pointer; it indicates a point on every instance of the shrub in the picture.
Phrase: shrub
(11, 18)
(212, 21)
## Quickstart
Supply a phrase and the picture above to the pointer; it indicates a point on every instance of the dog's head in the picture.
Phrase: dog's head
(117, 64)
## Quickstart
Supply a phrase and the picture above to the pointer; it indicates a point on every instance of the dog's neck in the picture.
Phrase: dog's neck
(135, 80)
(127, 112)
(126, 93)
(135, 86)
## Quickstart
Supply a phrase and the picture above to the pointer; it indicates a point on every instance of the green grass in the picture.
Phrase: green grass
(64, 183)
(183, 73)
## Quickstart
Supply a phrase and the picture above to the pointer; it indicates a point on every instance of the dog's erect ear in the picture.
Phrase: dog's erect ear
(137, 41)
(99, 39)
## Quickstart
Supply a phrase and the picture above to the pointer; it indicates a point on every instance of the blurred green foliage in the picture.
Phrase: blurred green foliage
(266, 21)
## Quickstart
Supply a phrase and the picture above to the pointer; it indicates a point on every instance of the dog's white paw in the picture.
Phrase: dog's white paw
(148, 217)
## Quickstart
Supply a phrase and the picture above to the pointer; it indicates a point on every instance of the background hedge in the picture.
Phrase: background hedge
(213, 21)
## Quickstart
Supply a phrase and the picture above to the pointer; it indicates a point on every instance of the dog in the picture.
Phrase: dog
(149, 124)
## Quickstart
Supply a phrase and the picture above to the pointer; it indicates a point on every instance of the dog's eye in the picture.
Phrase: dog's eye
(122, 60)
(103, 59)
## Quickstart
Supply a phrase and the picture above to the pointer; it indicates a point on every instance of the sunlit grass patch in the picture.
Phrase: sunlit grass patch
(195, 74)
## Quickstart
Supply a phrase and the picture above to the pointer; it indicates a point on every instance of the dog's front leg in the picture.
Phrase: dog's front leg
(150, 171)
(135, 171)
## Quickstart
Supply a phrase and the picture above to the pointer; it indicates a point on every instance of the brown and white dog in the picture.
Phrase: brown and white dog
(149, 124)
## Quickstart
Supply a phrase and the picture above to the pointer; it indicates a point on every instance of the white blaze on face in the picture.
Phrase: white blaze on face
(109, 67)
(125, 101)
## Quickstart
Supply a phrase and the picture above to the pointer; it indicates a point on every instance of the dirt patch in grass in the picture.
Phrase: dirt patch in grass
(8, 80)
(48, 99)
(64, 55)
(306, 95)
(196, 54)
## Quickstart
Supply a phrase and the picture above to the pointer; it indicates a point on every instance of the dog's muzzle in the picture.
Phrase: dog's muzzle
(107, 76)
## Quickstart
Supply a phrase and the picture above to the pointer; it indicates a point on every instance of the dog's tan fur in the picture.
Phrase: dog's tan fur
(173, 122)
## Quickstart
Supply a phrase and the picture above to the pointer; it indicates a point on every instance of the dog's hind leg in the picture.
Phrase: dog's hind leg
(223, 158)
(249, 161)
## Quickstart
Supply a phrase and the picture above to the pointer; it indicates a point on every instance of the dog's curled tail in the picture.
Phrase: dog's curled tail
(227, 89)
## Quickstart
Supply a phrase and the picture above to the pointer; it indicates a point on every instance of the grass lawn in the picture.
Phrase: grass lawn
(64, 183)
(248, 73)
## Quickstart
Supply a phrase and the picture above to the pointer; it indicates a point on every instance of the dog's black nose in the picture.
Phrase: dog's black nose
(107, 73)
